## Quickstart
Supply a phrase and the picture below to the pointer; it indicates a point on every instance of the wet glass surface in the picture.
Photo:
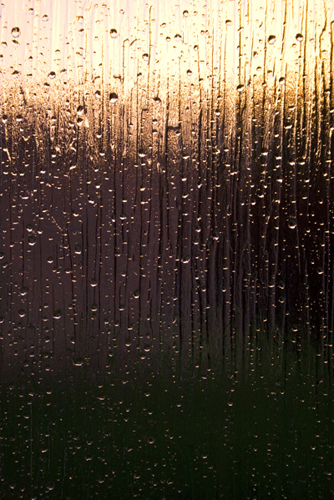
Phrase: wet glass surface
(166, 250)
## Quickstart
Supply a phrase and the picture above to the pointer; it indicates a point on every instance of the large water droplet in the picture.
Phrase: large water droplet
(113, 33)
(272, 39)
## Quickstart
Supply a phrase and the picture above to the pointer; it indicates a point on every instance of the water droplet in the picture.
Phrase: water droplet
(113, 98)
(272, 39)
(178, 37)
(299, 37)
(150, 440)
(52, 75)
(240, 88)
(228, 22)
(32, 240)
(57, 314)
(93, 282)
(15, 73)
(50, 485)
(281, 81)
(45, 18)
(16, 32)
(136, 294)
(22, 313)
(113, 33)
(30, 11)
(80, 110)
(145, 57)
(185, 13)
(292, 223)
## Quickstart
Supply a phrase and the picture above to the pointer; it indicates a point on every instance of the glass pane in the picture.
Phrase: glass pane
(167, 273)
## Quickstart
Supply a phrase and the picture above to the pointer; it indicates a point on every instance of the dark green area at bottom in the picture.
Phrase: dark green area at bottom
(265, 434)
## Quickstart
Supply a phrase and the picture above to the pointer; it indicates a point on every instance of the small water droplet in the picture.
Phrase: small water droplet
(113, 98)
(228, 22)
(299, 37)
(240, 88)
(22, 313)
(16, 32)
(292, 223)
(281, 81)
(45, 18)
(145, 57)
(52, 75)
(31, 240)
(113, 33)
(15, 73)
(50, 485)
(272, 39)
(57, 314)
(178, 37)
(185, 13)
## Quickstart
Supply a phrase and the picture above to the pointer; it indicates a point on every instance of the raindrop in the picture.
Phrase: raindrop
(16, 32)
(32, 240)
(113, 98)
(272, 39)
(50, 485)
(113, 33)
(292, 223)
(57, 314)
(299, 37)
